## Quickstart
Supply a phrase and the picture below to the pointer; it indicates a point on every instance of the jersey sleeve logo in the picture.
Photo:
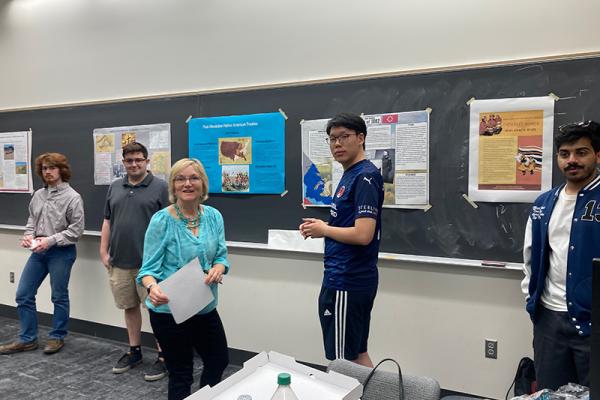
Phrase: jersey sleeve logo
(537, 212)
(368, 179)
(340, 191)
(367, 210)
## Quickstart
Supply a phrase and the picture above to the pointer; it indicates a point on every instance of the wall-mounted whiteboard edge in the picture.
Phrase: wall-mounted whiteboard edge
(461, 262)
(311, 82)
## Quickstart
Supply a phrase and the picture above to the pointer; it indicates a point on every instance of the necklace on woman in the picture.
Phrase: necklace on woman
(191, 223)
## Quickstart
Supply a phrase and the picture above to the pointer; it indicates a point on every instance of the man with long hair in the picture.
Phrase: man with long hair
(55, 224)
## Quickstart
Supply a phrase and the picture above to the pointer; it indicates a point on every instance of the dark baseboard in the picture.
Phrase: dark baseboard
(95, 329)
(446, 392)
(236, 356)
(118, 334)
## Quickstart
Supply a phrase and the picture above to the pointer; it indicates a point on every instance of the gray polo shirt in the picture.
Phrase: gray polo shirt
(129, 209)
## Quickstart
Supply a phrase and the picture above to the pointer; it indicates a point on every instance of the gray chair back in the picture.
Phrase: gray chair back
(384, 385)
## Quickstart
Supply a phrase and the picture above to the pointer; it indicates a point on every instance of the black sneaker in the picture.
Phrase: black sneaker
(157, 371)
(127, 361)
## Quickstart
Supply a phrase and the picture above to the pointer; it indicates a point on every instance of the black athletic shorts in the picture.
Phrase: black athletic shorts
(345, 318)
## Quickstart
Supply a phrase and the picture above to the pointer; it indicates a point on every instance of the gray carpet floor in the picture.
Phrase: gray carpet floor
(81, 370)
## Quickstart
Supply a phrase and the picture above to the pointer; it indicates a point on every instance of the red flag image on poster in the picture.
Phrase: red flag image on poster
(389, 119)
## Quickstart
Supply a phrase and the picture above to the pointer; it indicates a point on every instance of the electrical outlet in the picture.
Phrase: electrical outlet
(11, 277)
(491, 348)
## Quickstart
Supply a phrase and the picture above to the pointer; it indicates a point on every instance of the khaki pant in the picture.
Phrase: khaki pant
(126, 292)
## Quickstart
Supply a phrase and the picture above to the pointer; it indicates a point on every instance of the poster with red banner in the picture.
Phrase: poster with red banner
(397, 143)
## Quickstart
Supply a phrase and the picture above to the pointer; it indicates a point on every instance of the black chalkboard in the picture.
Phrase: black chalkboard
(451, 228)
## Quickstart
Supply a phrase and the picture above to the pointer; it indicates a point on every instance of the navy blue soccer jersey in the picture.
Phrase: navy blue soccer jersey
(358, 195)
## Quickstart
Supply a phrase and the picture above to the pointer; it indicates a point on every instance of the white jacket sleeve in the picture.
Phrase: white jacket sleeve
(527, 259)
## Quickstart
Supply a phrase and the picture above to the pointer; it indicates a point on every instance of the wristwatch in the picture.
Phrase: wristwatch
(150, 287)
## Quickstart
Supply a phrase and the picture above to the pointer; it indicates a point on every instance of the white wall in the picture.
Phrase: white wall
(65, 51)
(432, 319)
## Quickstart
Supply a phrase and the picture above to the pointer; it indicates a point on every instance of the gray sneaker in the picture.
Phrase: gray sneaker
(127, 361)
(157, 371)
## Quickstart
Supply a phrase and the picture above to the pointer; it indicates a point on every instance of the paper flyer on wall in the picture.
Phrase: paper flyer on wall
(510, 149)
(397, 143)
(15, 167)
(109, 143)
(242, 154)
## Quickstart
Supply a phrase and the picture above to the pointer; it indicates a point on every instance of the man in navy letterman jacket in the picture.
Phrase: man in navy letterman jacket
(561, 239)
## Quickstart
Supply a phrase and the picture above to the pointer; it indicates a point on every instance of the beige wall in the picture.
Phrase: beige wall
(432, 319)
(64, 51)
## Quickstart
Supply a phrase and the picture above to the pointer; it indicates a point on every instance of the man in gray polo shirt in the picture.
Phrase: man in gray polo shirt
(130, 203)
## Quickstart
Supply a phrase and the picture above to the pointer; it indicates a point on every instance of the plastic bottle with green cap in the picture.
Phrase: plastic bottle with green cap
(284, 390)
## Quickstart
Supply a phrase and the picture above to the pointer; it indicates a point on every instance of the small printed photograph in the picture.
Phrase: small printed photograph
(160, 162)
(318, 186)
(490, 124)
(127, 137)
(9, 151)
(118, 171)
(389, 194)
(21, 168)
(528, 162)
(388, 162)
(105, 143)
(235, 178)
(235, 151)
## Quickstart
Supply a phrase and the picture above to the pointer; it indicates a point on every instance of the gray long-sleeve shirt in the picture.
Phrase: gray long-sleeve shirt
(56, 213)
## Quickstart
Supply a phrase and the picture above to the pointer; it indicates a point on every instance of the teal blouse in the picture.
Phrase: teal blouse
(169, 245)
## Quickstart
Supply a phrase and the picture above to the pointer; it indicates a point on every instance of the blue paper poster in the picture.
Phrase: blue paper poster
(241, 153)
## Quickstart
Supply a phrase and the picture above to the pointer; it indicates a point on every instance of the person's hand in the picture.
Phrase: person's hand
(105, 258)
(26, 241)
(301, 229)
(313, 228)
(42, 245)
(157, 297)
(215, 274)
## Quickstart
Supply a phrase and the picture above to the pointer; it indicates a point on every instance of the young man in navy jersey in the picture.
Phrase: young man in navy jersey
(351, 244)
(561, 239)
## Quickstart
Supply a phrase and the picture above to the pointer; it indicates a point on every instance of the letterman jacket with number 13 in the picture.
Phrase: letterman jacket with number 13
(584, 245)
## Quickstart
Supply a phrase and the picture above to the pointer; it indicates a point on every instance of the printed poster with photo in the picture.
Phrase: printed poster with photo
(15, 162)
(397, 143)
(242, 154)
(108, 150)
(510, 149)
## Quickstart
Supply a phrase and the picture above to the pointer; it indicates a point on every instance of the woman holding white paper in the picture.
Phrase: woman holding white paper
(176, 235)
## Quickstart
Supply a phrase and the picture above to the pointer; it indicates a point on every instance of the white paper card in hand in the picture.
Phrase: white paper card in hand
(187, 291)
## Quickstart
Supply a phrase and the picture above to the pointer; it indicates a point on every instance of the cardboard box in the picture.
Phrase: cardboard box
(258, 378)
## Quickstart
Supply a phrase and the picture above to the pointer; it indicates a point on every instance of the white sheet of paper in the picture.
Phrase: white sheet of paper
(187, 291)
(293, 240)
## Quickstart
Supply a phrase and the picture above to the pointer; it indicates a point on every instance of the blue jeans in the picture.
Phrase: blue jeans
(56, 261)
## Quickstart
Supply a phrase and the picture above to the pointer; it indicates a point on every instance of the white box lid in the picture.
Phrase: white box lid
(258, 378)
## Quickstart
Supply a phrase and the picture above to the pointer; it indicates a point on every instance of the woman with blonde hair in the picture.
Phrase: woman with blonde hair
(185, 230)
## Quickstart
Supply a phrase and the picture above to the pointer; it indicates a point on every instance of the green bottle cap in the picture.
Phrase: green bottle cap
(284, 378)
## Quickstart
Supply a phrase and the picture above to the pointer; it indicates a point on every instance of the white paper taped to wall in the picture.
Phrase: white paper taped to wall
(280, 239)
